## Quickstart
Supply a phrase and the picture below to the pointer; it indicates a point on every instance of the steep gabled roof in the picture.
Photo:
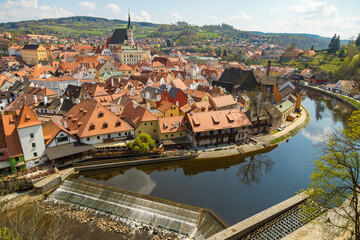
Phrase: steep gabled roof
(30, 47)
(11, 136)
(90, 118)
(27, 118)
(119, 36)
(236, 78)
(134, 114)
(51, 129)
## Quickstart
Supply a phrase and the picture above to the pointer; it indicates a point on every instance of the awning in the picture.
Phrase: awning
(111, 144)
(175, 141)
(67, 150)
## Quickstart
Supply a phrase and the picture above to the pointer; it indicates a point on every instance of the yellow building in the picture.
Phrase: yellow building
(171, 128)
(141, 119)
(128, 55)
(168, 109)
(34, 54)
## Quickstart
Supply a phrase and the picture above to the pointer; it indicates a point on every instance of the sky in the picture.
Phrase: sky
(321, 17)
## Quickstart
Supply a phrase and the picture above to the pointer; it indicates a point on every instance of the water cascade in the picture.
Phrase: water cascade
(187, 220)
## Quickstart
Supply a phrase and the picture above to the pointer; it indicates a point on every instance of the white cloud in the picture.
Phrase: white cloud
(29, 10)
(143, 17)
(314, 9)
(112, 7)
(239, 16)
(176, 15)
(87, 5)
(213, 17)
(273, 10)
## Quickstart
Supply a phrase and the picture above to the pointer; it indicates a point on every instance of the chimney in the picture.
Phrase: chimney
(147, 95)
(268, 68)
(45, 100)
(65, 123)
(35, 98)
(134, 104)
(42, 86)
(112, 82)
(191, 113)
(148, 106)
(158, 98)
(192, 93)
(77, 101)
(118, 80)
(168, 87)
(177, 103)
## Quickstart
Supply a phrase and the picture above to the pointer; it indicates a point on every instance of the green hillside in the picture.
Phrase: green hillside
(93, 26)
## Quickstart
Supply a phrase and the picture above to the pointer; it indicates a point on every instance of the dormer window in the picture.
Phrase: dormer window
(92, 126)
(105, 125)
(117, 124)
(101, 114)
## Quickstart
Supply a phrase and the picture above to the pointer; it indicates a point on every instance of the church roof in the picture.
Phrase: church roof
(119, 36)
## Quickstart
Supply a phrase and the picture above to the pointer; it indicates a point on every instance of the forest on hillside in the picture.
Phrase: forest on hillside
(181, 32)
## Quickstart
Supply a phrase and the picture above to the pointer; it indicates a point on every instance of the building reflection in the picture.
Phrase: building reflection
(189, 167)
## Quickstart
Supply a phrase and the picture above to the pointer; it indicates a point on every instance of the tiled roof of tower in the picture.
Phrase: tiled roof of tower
(27, 118)
(90, 118)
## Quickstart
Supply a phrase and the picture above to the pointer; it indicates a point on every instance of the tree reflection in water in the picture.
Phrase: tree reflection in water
(253, 169)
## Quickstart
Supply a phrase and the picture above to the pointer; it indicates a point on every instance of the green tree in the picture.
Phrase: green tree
(335, 180)
(312, 47)
(357, 41)
(141, 144)
(334, 45)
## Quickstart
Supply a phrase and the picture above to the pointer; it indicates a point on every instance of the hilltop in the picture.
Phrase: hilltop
(82, 26)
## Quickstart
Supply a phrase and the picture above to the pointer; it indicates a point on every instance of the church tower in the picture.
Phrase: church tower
(130, 37)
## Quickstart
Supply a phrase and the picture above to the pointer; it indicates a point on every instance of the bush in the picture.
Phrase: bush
(141, 144)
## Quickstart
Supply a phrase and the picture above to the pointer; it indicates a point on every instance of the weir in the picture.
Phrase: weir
(187, 220)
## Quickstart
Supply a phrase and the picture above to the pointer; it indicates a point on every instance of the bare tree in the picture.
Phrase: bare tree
(252, 170)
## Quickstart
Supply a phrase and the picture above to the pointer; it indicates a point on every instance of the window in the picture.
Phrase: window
(180, 134)
(166, 135)
(35, 154)
(62, 139)
(150, 123)
(119, 134)
(2, 154)
(31, 135)
(154, 130)
(98, 137)
(139, 132)
(33, 145)
(172, 135)
(87, 139)
(145, 124)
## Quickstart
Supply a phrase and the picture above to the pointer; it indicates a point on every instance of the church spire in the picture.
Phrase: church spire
(129, 22)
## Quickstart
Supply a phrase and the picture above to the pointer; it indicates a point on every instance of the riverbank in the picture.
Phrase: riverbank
(352, 102)
(259, 142)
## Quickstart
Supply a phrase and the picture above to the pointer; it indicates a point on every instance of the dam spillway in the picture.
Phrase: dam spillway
(186, 220)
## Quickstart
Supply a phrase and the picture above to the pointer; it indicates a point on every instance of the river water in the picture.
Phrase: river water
(237, 187)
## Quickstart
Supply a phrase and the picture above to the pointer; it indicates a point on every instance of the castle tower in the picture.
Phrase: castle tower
(130, 37)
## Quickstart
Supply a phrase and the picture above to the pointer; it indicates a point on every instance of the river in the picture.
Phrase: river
(236, 188)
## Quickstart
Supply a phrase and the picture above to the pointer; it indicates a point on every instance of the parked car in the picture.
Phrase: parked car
(357, 97)
(281, 128)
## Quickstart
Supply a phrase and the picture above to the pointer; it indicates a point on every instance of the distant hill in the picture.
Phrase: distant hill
(81, 26)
